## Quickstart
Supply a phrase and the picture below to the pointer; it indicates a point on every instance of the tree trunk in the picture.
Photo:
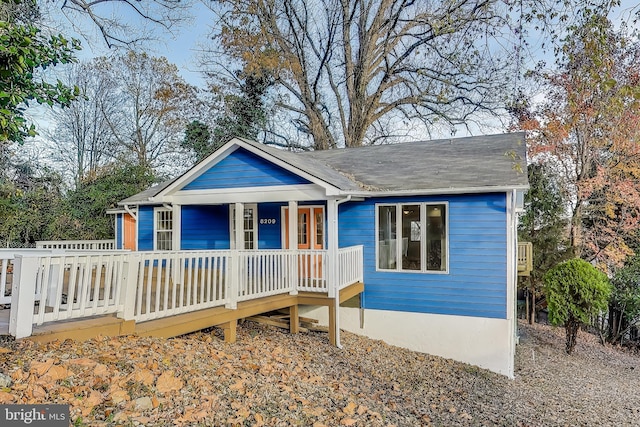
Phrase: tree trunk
(533, 308)
(571, 329)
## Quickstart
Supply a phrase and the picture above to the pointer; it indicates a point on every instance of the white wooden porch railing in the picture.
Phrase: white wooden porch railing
(351, 264)
(83, 245)
(169, 283)
(143, 286)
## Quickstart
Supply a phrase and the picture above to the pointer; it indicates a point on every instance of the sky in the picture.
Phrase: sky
(181, 46)
(184, 45)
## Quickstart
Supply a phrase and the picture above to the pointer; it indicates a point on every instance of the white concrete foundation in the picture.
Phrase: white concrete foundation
(487, 343)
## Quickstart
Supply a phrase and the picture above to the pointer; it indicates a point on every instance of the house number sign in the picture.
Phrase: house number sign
(267, 220)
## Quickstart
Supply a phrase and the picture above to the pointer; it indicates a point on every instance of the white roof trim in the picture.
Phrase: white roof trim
(437, 191)
(225, 151)
(282, 193)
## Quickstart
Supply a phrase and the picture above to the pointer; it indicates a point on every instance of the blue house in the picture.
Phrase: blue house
(436, 221)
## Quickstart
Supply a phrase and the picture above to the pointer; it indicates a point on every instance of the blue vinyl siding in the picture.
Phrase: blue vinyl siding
(145, 228)
(244, 169)
(269, 235)
(476, 283)
(205, 227)
(118, 231)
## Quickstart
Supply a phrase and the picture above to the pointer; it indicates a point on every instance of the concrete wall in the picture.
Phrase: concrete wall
(479, 341)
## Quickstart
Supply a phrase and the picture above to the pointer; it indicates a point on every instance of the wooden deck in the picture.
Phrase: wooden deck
(185, 323)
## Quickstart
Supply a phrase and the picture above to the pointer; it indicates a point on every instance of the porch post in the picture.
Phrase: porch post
(293, 245)
(236, 275)
(332, 270)
(176, 225)
(23, 294)
(239, 218)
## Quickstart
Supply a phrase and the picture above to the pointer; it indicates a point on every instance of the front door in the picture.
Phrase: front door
(310, 236)
(129, 232)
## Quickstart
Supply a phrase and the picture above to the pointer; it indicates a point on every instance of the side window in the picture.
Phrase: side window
(163, 227)
(412, 237)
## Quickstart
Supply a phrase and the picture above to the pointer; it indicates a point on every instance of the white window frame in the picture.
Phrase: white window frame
(156, 230)
(232, 231)
(423, 237)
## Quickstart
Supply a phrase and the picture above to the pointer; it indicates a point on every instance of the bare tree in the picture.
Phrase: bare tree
(82, 140)
(125, 22)
(134, 108)
(154, 105)
(344, 67)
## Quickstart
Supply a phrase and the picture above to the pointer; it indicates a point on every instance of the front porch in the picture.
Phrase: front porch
(83, 294)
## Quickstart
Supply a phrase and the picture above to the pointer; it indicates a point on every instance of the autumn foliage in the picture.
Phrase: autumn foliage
(587, 132)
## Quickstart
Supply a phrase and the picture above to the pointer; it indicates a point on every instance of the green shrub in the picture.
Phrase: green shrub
(576, 292)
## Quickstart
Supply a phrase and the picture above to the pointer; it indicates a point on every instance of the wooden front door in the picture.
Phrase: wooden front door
(129, 232)
(310, 236)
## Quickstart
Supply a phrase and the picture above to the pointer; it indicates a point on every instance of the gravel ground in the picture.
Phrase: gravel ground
(270, 377)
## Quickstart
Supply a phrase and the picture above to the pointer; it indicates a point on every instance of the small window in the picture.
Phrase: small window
(250, 224)
(163, 229)
(412, 237)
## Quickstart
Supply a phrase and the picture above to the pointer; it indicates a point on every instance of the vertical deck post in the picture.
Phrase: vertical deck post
(129, 286)
(23, 294)
(230, 329)
(294, 319)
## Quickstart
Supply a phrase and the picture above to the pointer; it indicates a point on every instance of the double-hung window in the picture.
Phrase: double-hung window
(250, 225)
(163, 236)
(412, 237)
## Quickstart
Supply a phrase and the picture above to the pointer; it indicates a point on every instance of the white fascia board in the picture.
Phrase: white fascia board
(436, 191)
(115, 211)
(307, 192)
(226, 150)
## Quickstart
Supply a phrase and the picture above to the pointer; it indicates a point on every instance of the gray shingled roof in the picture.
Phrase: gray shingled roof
(144, 196)
(455, 164)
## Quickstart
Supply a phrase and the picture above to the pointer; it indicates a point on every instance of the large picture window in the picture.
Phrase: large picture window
(412, 237)
(163, 230)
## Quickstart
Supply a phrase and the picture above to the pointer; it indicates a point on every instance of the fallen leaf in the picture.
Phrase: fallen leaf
(56, 373)
(119, 396)
(101, 370)
(144, 376)
(259, 420)
(167, 382)
(41, 368)
(95, 398)
(350, 409)
(6, 397)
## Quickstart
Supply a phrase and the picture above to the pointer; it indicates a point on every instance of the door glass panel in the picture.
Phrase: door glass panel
(319, 229)
(411, 250)
(387, 237)
(303, 237)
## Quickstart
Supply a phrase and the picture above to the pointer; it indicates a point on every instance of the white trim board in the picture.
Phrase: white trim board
(280, 193)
